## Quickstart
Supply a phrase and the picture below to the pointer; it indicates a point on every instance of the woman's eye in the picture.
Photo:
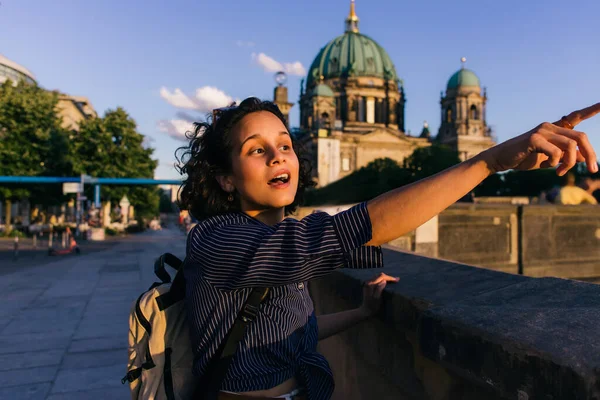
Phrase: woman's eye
(257, 151)
(285, 147)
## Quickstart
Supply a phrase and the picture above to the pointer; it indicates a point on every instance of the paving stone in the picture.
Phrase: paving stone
(25, 376)
(116, 393)
(118, 279)
(30, 359)
(85, 379)
(103, 328)
(45, 319)
(59, 302)
(30, 342)
(35, 391)
(94, 358)
(70, 288)
(100, 343)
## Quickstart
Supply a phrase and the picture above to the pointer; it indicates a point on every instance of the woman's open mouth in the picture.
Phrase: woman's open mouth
(280, 181)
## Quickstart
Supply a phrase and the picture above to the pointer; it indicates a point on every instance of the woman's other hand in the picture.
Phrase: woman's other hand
(372, 290)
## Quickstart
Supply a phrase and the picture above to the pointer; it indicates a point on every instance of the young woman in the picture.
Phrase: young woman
(243, 177)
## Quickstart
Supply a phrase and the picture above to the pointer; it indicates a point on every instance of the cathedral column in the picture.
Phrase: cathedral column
(392, 111)
(351, 108)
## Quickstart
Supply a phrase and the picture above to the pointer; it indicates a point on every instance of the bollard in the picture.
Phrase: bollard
(16, 254)
(63, 240)
(35, 240)
(50, 240)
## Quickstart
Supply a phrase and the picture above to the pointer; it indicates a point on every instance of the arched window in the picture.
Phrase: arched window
(449, 114)
(325, 121)
(474, 112)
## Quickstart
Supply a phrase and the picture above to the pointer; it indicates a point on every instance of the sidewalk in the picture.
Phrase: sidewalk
(63, 325)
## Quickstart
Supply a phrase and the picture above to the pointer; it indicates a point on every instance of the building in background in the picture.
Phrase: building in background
(352, 108)
(72, 109)
(464, 127)
(15, 72)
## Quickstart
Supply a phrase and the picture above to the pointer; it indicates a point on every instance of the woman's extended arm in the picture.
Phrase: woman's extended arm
(401, 210)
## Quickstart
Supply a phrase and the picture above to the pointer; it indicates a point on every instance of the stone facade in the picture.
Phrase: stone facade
(74, 109)
(463, 120)
(352, 109)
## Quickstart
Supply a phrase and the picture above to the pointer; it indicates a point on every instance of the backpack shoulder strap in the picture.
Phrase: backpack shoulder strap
(177, 291)
(222, 359)
(159, 266)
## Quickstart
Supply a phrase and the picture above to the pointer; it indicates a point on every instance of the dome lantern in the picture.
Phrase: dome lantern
(463, 77)
(352, 20)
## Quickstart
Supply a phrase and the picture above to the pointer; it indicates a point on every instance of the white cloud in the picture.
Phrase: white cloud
(176, 128)
(209, 98)
(177, 98)
(295, 68)
(205, 100)
(242, 43)
(269, 64)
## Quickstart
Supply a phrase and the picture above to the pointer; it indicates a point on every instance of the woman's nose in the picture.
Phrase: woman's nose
(276, 157)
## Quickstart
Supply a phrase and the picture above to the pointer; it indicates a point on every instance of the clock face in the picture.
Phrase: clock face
(474, 130)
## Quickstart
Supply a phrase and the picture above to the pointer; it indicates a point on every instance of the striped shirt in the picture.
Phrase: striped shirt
(228, 255)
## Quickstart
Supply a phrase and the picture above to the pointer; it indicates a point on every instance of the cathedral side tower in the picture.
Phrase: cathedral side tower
(463, 126)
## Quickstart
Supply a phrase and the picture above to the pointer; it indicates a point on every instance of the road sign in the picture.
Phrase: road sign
(72, 187)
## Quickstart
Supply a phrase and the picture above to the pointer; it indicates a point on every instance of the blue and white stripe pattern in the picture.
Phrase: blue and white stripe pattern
(227, 255)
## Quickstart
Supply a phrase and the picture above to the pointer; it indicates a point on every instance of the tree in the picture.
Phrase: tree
(30, 139)
(378, 177)
(427, 161)
(112, 147)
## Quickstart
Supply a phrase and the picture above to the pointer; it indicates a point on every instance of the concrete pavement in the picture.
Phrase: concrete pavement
(64, 324)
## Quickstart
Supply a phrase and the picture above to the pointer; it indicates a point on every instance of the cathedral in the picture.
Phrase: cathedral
(352, 108)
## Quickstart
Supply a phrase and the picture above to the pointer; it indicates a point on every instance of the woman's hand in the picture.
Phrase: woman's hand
(547, 145)
(372, 293)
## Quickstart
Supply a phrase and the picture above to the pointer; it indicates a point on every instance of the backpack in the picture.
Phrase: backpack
(160, 352)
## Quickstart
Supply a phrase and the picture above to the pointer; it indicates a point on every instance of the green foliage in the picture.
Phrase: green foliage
(165, 205)
(384, 174)
(32, 141)
(427, 161)
(377, 177)
(110, 232)
(13, 233)
(111, 147)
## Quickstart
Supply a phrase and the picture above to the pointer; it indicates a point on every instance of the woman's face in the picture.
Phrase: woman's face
(265, 168)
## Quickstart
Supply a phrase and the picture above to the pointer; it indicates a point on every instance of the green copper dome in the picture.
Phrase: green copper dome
(322, 90)
(463, 77)
(351, 54)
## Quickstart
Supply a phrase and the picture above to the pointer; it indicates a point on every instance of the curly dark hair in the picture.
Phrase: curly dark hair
(208, 154)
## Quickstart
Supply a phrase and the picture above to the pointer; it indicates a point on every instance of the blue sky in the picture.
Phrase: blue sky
(538, 60)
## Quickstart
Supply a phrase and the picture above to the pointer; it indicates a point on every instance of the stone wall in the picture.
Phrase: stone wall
(533, 240)
(449, 331)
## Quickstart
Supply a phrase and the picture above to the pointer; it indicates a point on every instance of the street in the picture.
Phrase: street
(64, 320)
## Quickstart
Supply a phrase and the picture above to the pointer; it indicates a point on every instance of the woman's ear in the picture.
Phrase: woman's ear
(225, 183)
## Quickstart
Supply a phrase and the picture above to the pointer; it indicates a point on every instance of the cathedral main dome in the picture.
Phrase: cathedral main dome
(349, 55)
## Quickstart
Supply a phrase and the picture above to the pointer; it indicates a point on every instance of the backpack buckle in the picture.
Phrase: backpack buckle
(249, 313)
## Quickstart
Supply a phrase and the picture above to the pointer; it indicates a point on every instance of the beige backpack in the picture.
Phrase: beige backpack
(160, 351)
